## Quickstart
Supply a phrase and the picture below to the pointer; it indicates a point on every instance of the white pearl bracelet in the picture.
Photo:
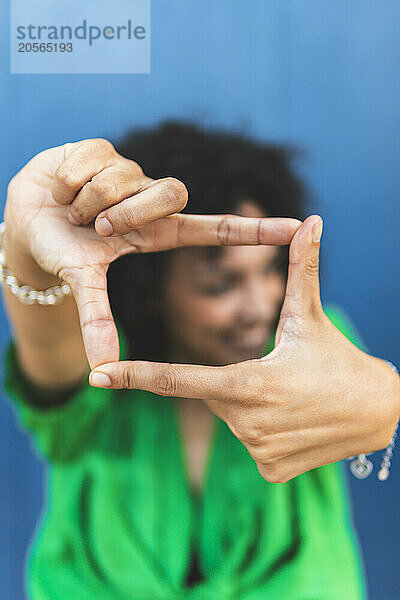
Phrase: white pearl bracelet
(26, 293)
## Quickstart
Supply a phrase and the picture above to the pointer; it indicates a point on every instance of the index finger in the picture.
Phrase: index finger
(180, 230)
(99, 332)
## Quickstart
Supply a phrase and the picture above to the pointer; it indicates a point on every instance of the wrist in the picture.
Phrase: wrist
(393, 378)
(386, 391)
(20, 262)
(389, 394)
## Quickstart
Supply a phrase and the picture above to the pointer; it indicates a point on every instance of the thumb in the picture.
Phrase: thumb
(302, 296)
(178, 380)
(100, 336)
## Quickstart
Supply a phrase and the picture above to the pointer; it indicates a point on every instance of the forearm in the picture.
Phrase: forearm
(48, 338)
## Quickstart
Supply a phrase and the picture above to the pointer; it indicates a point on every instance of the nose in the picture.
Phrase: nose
(259, 302)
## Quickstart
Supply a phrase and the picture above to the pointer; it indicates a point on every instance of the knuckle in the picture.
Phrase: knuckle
(166, 383)
(126, 215)
(133, 168)
(251, 431)
(67, 177)
(224, 230)
(273, 473)
(127, 376)
(176, 193)
(311, 267)
(69, 275)
(105, 189)
(102, 144)
(264, 451)
(253, 436)
(80, 276)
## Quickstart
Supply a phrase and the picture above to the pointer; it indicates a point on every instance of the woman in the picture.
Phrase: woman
(152, 497)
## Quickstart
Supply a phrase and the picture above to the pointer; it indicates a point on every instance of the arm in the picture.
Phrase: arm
(48, 339)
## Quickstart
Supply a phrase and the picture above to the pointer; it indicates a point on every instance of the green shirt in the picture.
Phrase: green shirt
(121, 520)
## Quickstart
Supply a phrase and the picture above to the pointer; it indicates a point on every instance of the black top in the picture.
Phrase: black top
(194, 574)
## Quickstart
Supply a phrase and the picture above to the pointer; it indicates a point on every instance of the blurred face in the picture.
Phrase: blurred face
(223, 309)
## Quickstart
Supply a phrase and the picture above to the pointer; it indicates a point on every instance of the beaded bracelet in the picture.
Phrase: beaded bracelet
(361, 467)
(26, 293)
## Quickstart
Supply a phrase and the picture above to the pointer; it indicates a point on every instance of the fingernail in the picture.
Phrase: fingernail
(103, 226)
(72, 219)
(99, 379)
(317, 232)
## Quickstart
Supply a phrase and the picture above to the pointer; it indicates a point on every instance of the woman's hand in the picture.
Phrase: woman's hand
(315, 399)
(89, 182)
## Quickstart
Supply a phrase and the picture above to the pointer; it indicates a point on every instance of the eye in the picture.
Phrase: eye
(220, 287)
(216, 290)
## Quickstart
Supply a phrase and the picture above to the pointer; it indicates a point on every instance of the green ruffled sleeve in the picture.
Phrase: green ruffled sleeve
(68, 427)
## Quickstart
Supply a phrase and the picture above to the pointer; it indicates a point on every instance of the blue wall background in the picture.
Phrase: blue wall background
(318, 73)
